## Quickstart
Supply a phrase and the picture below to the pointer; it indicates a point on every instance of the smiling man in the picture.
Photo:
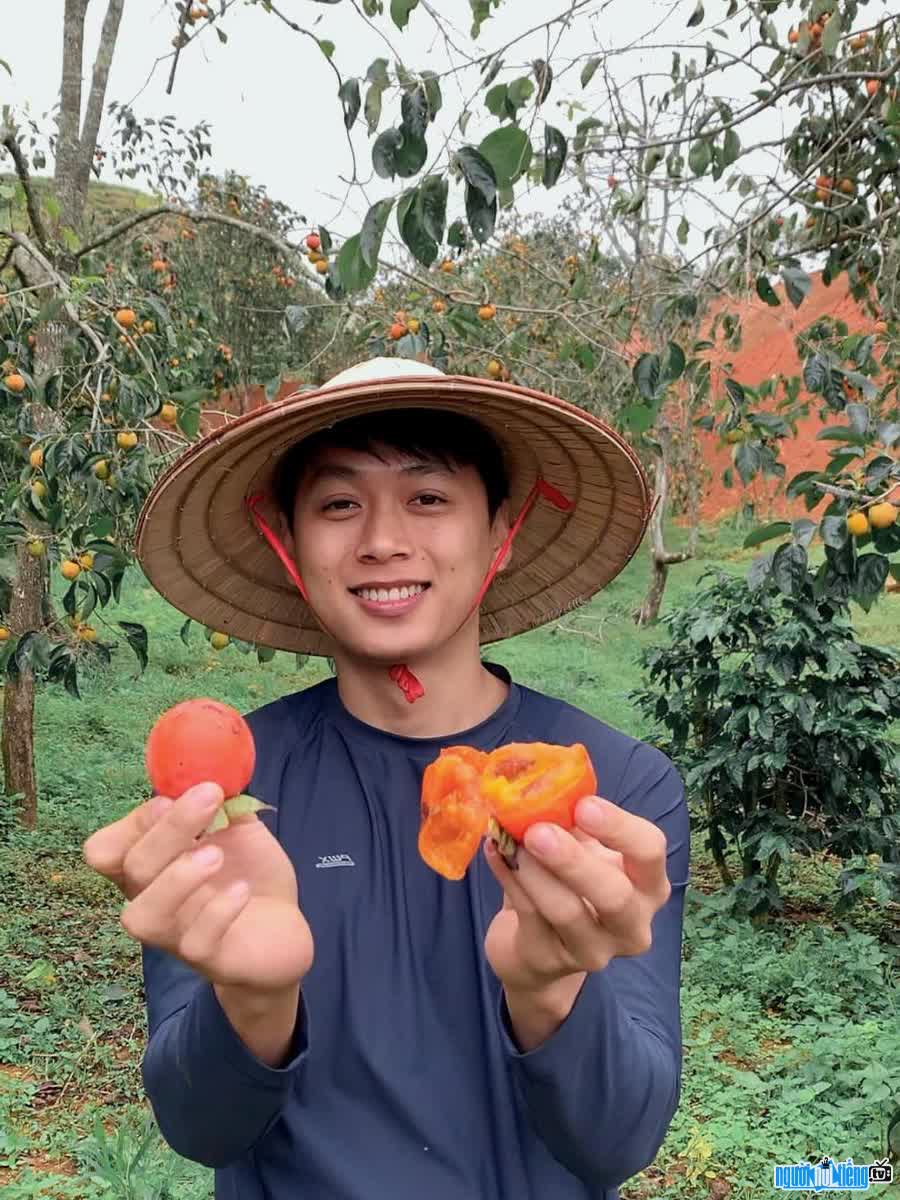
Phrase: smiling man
(328, 1017)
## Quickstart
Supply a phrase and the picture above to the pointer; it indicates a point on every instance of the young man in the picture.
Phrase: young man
(386, 1032)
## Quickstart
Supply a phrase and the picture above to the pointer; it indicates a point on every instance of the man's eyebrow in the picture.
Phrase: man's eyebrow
(340, 471)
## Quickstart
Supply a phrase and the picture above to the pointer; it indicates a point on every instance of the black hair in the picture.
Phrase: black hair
(450, 438)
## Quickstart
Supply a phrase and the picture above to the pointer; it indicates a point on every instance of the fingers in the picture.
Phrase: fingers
(588, 925)
(132, 852)
(152, 916)
(641, 843)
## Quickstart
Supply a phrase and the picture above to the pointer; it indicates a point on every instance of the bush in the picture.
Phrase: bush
(778, 718)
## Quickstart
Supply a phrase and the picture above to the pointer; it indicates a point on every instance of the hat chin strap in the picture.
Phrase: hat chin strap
(400, 673)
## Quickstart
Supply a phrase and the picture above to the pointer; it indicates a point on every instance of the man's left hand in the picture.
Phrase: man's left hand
(577, 900)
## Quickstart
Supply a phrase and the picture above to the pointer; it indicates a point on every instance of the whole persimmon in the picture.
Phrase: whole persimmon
(200, 741)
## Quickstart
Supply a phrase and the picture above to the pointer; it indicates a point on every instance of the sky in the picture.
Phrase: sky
(270, 94)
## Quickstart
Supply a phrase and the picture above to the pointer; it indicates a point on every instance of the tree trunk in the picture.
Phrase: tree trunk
(660, 558)
(71, 201)
(31, 605)
(17, 739)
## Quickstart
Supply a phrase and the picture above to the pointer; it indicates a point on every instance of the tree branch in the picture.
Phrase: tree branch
(25, 243)
(34, 212)
(190, 214)
(87, 142)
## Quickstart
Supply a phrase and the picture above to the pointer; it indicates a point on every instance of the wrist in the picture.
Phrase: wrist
(536, 1013)
(265, 1021)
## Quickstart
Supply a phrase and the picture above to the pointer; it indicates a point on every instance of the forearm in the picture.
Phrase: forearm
(601, 1089)
(264, 1023)
(214, 1094)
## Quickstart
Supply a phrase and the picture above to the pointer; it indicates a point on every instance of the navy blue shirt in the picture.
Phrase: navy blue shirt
(405, 1081)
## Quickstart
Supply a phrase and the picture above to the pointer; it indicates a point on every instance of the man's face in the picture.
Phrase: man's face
(392, 553)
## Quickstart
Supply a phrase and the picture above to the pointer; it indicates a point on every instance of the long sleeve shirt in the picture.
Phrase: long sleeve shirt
(404, 1078)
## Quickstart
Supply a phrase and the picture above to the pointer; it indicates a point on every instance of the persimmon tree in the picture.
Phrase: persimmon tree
(107, 360)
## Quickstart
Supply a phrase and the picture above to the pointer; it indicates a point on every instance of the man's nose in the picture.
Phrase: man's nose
(385, 533)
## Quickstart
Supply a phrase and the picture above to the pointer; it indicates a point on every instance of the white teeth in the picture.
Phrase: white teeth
(385, 595)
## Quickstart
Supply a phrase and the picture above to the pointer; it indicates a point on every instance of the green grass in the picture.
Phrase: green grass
(791, 1033)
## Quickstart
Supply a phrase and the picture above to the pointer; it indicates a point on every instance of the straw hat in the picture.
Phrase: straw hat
(200, 547)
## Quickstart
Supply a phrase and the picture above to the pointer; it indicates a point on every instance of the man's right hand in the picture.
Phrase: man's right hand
(234, 918)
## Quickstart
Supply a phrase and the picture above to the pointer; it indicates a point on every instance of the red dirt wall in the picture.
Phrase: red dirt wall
(768, 350)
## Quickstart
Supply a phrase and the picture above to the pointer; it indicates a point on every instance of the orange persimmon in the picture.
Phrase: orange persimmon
(454, 817)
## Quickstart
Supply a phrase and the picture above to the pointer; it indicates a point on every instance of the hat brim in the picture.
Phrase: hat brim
(198, 545)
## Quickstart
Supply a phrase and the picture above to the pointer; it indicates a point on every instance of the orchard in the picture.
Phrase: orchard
(589, 203)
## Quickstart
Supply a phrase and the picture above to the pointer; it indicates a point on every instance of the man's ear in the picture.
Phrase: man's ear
(285, 535)
(500, 531)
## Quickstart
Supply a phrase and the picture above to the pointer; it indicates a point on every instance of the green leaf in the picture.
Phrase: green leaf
(413, 231)
(384, 152)
(456, 235)
(858, 416)
(766, 532)
(815, 372)
(481, 214)
(378, 72)
(496, 100)
(797, 284)
(652, 159)
(731, 148)
(414, 110)
(325, 46)
(696, 16)
(348, 94)
(803, 530)
(518, 94)
(354, 273)
(265, 654)
(373, 106)
(432, 203)
(674, 364)
(766, 292)
(184, 632)
(477, 172)
(136, 636)
(432, 94)
(831, 35)
(747, 460)
(587, 71)
(790, 568)
(646, 374)
(372, 231)
(683, 231)
(555, 149)
(410, 157)
(700, 156)
(508, 150)
(400, 10)
(871, 573)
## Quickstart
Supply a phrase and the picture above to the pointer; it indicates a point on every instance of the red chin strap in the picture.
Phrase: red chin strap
(401, 674)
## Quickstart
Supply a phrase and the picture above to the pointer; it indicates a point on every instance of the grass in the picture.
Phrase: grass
(107, 203)
(791, 1033)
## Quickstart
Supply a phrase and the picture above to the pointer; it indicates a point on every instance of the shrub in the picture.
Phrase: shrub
(778, 718)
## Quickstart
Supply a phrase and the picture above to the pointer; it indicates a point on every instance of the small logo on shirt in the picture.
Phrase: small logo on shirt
(335, 860)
